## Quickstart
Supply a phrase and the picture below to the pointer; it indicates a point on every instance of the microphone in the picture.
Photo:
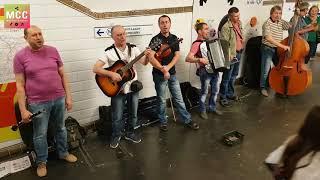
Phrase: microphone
(16, 126)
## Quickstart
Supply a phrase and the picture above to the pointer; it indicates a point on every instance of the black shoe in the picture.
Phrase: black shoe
(192, 125)
(225, 103)
(163, 127)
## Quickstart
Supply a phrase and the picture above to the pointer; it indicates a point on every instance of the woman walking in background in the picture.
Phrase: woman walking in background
(299, 157)
(312, 18)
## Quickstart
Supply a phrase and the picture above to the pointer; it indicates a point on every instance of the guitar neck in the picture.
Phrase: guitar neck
(130, 64)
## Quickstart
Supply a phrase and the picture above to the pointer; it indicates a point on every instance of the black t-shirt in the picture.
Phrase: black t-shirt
(169, 40)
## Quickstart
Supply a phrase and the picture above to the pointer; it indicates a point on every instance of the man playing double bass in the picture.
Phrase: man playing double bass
(272, 32)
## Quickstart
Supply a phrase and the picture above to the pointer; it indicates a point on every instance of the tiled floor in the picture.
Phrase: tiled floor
(183, 154)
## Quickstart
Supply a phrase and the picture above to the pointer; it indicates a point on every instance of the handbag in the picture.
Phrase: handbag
(136, 86)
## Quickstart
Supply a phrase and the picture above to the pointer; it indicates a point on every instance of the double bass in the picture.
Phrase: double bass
(291, 76)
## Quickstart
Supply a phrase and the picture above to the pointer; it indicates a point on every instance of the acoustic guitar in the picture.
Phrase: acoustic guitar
(112, 88)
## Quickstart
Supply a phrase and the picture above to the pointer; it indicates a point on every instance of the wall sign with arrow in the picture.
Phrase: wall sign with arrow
(134, 30)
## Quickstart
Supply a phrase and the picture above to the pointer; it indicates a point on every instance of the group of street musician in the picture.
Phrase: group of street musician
(283, 77)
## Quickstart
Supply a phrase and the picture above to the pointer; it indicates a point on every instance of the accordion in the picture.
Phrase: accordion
(218, 54)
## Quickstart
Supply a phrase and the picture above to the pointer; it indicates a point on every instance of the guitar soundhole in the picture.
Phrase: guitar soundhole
(111, 81)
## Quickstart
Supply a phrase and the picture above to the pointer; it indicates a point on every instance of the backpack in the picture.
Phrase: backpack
(190, 95)
(223, 21)
(75, 133)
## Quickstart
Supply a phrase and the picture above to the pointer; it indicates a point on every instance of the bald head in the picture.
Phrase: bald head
(25, 32)
(115, 28)
(118, 34)
(33, 36)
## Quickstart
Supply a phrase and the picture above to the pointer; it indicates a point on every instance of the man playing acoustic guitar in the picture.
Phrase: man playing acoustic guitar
(121, 50)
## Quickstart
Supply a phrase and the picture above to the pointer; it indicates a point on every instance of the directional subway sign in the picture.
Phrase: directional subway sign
(135, 30)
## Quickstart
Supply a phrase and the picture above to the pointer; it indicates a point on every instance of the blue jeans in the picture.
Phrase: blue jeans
(54, 112)
(174, 86)
(267, 54)
(206, 79)
(228, 78)
(117, 105)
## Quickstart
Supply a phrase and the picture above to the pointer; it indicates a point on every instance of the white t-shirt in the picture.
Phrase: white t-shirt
(110, 57)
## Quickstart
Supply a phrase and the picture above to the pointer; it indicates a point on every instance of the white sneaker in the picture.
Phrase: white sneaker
(264, 92)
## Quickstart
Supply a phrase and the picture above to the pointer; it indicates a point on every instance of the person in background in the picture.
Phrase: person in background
(299, 17)
(252, 30)
(312, 18)
(299, 157)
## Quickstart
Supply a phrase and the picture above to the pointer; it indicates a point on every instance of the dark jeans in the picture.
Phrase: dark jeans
(118, 104)
(267, 59)
(228, 78)
(312, 52)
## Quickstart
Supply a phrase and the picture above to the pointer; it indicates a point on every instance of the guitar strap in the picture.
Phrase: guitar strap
(115, 49)
(129, 50)
(198, 54)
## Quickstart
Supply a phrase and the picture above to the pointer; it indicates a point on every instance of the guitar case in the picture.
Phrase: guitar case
(252, 66)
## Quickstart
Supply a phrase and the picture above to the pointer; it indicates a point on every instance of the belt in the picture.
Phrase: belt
(269, 46)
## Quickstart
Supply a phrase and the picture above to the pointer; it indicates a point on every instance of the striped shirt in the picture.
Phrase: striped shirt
(275, 30)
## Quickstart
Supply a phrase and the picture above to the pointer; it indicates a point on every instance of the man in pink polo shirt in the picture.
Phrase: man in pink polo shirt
(42, 85)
